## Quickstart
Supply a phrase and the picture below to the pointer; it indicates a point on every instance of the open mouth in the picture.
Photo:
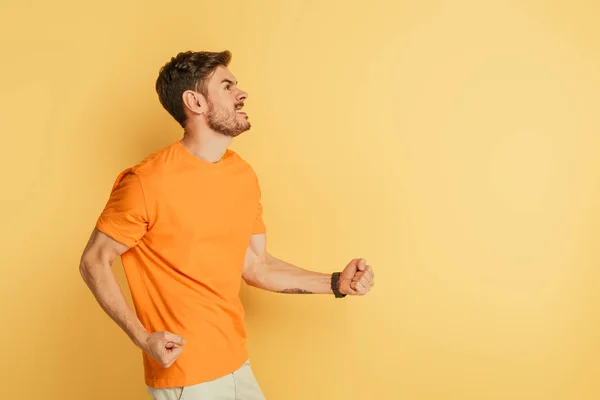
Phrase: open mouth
(238, 109)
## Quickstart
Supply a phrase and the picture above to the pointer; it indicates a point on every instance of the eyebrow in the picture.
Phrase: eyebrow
(229, 81)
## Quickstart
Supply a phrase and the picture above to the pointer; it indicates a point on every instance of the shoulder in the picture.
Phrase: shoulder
(240, 162)
(154, 162)
(138, 174)
(246, 173)
(154, 167)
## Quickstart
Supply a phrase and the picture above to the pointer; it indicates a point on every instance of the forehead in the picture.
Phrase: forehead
(221, 73)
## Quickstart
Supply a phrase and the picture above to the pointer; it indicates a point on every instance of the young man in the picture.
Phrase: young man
(187, 224)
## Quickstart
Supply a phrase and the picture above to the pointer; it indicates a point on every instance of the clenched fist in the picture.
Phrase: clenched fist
(165, 347)
(357, 278)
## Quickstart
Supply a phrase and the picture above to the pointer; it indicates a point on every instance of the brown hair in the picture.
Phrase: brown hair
(187, 71)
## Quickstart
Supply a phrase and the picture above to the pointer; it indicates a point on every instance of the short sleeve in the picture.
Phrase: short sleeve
(259, 224)
(125, 217)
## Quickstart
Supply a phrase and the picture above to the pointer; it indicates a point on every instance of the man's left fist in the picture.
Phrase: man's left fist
(357, 278)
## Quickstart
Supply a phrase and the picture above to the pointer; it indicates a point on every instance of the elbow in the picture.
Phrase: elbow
(89, 267)
(253, 275)
(249, 276)
(85, 267)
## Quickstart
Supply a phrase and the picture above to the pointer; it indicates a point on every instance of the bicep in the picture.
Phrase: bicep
(101, 249)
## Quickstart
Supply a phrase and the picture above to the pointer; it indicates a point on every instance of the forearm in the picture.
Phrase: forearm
(101, 281)
(276, 275)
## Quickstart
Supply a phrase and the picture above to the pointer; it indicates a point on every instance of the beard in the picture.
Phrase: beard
(225, 122)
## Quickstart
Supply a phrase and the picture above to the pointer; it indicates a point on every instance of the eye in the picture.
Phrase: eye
(228, 87)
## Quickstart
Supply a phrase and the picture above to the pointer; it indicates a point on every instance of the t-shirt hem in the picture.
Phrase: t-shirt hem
(166, 383)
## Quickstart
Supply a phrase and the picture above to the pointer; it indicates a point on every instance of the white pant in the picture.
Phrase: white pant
(239, 385)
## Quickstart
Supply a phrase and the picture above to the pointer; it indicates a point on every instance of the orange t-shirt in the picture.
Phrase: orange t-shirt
(188, 223)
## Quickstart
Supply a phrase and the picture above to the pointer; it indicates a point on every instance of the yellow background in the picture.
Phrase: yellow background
(454, 144)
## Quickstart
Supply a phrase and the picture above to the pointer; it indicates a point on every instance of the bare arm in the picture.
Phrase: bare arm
(95, 268)
(264, 271)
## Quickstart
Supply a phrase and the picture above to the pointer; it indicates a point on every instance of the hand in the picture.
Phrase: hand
(165, 347)
(357, 278)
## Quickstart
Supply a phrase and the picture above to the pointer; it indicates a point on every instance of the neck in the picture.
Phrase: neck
(205, 144)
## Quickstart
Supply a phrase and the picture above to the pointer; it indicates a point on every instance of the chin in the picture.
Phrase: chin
(241, 130)
(245, 130)
(245, 125)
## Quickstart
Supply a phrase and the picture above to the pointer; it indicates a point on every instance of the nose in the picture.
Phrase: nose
(242, 96)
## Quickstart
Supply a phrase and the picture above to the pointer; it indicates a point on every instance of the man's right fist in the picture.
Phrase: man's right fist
(164, 347)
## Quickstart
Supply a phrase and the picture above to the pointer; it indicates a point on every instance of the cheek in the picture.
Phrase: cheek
(225, 104)
(218, 108)
(218, 99)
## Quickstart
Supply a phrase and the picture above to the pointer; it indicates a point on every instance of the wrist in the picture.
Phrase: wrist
(335, 285)
(140, 339)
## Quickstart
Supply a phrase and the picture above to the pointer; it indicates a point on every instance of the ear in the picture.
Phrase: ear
(194, 102)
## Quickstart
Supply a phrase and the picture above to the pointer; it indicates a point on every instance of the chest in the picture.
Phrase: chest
(206, 208)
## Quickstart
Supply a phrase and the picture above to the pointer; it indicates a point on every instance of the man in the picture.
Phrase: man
(187, 224)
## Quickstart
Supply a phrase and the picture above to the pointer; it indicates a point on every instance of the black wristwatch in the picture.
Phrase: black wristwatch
(335, 285)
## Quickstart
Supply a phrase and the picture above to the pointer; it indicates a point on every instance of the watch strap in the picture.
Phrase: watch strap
(335, 285)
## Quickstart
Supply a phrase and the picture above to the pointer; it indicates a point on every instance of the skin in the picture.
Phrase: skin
(212, 123)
